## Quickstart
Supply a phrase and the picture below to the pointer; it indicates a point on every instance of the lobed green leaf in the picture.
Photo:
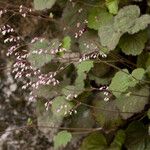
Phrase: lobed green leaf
(43, 4)
(61, 139)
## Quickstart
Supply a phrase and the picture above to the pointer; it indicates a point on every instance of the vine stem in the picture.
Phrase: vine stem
(101, 109)
(97, 89)
(80, 130)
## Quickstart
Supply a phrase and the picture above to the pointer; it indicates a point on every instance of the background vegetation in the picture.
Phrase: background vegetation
(75, 74)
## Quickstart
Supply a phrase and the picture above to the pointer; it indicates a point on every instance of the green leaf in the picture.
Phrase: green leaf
(79, 82)
(61, 107)
(66, 43)
(126, 18)
(98, 17)
(109, 37)
(83, 118)
(140, 24)
(133, 44)
(136, 76)
(82, 68)
(46, 118)
(88, 42)
(118, 140)
(123, 80)
(112, 6)
(71, 91)
(95, 141)
(29, 122)
(61, 139)
(100, 69)
(136, 136)
(120, 82)
(38, 60)
(138, 73)
(43, 4)
(101, 74)
(100, 80)
(68, 90)
(106, 119)
(133, 102)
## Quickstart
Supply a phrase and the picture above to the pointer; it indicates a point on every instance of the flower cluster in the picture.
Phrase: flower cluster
(6, 29)
(90, 56)
(12, 39)
(80, 33)
(2, 12)
(24, 11)
(22, 67)
(106, 93)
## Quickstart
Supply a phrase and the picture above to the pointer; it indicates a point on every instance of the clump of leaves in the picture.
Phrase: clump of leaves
(82, 32)
(127, 20)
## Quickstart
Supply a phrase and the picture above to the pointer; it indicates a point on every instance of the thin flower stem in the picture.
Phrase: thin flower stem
(54, 127)
(97, 89)
(146, 81)
(101, 109)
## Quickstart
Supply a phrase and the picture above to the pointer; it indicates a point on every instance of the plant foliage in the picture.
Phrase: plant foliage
(89, 71)
(61, 139)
